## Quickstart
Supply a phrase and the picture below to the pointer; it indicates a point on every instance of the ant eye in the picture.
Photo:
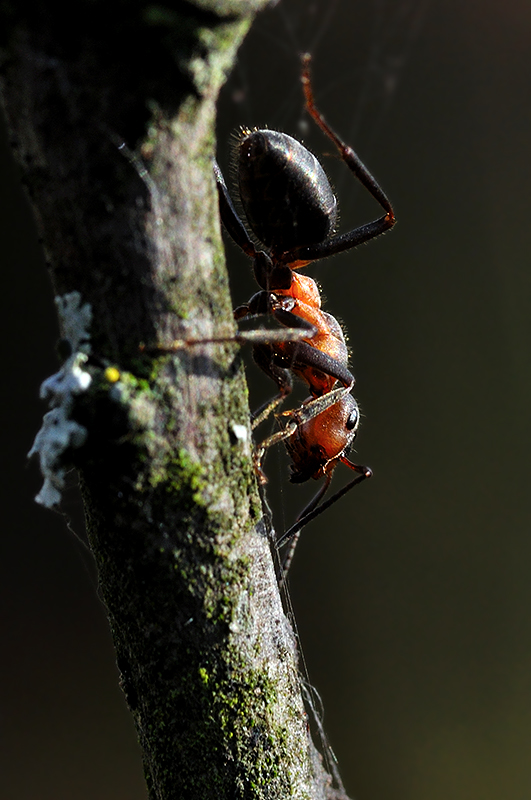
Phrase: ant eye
(353, 419)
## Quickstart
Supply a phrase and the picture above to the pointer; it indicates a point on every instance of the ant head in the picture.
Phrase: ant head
(317, 445)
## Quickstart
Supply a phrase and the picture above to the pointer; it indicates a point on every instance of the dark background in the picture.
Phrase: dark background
(413, 594)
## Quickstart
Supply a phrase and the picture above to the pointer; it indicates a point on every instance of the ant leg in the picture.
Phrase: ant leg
(267, 275)
(256, 337)
(351, 159)
(260, 451)
(365, 472)
(310, 410)
(296, 328)
(288, 557)
(303, 355)
(280, 375)
(364, 233)
(262, 413)
(231, 220)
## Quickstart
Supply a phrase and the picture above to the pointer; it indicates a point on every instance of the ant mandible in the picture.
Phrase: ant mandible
(291, 209)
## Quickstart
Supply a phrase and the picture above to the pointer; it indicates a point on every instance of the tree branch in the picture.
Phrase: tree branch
(162, 443)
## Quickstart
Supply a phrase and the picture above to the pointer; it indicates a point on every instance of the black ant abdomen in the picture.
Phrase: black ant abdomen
(284, 190)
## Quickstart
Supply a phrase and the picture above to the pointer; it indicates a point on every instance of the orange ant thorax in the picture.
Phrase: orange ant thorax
(329, 337)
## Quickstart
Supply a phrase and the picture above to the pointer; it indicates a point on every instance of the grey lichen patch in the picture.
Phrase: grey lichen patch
(59, 433)
(160, 466)
(193, 487)
(136, 396)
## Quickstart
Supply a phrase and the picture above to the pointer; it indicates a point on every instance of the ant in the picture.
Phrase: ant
(291, 210)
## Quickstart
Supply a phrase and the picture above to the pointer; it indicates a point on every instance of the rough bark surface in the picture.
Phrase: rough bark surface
(207, 657)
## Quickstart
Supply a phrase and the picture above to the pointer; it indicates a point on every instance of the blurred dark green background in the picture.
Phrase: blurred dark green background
(413, 595)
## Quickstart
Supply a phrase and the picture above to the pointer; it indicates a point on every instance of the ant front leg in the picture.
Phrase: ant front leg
(313, 510)
(311, 409)
(316, 510)
(294, 539)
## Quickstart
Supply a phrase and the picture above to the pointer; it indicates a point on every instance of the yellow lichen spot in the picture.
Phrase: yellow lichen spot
(112, 374)
(203, 674)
